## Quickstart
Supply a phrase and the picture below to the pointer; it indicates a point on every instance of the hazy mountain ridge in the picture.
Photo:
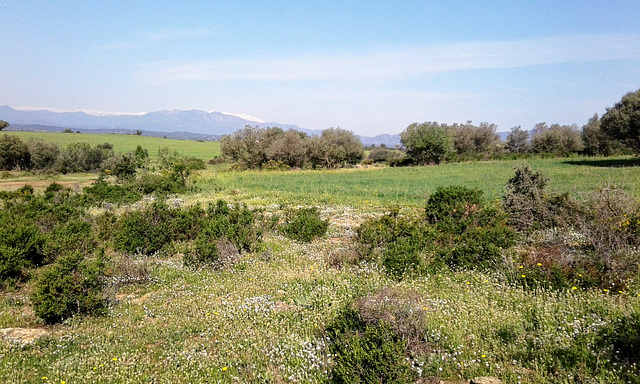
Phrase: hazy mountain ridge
(187, 125)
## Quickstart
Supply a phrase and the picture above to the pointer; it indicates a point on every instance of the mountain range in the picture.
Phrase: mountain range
(189, 125)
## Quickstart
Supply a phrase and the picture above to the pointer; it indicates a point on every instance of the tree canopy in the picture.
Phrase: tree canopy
(622, 121)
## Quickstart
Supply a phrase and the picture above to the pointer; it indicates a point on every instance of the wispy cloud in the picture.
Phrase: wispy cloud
(154, 36)
(400, 63)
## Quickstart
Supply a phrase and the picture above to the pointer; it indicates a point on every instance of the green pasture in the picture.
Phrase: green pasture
(125, 143)
(411, 185)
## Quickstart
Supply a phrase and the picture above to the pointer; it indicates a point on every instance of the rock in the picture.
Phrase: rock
(485, 380)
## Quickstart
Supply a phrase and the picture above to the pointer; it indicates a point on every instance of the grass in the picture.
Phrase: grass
(125, 143)
(410, 186)
(263, 320)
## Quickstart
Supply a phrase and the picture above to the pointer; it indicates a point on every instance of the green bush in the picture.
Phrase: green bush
(75, 235)
(367, 352)
(403, 256)
(147, 230)
(304, 224)
(72, 285)
(21, 246)
(374, 235)
(453, 205)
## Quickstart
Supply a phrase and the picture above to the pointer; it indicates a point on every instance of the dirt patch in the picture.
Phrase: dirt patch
(22, 336)
(134, 299)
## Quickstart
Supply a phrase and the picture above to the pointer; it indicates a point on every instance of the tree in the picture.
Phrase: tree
(595, 142)
(622, 122)
(427, 143)
(248, 147)
(291, 148)
(557, 139)
(518, 140)
(14, 153)
(44, 154)
(3, 125)
(334, 147)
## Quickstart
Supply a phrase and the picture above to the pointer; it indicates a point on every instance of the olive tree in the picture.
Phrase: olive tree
(427, 143)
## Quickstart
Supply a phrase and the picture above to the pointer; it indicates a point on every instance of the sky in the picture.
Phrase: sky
(371, 67)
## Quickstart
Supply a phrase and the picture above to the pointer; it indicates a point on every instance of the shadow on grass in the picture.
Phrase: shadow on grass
(607, 163)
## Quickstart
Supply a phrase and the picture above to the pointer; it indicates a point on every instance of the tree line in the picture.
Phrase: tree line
(618, 131)
(255, 148)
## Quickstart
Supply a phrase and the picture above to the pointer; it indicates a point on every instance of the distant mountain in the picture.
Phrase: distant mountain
(187, 125)
(388, 140)
(194, 121)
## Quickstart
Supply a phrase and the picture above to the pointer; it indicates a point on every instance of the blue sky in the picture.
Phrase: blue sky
(371, 67)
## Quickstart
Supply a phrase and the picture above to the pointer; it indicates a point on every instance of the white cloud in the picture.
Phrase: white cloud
(400, 63)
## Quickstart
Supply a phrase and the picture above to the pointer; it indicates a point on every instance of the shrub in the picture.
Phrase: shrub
(472, 233)
(402, 257)
(14, 153)
(366, 352)
(529, 207)
(21, 246)
(453, 204)
(145, 231)
(70, 286)
(225, 232)
(374, 235)
(304, 224)
(75, 235)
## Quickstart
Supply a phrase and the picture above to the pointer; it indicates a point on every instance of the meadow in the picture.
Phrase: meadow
(265, 319)
(126, 143)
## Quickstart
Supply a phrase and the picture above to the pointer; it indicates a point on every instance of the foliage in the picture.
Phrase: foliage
(622, 121)
(145, 231)
(335, 147)
(471, 140)
(557, 139)
(14, 153)
(80, 157)
(72, 285)
(518, 140)
(382, 154)
(366, 352)
(304, 224)
(224, 232)
(526, 203)
(44, 154)
(596, 142)
(427, 143)
(3, 125)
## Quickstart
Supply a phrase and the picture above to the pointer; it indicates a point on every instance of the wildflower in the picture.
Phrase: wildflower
(539, 264)
(207, 313)
(115, 359)
(574, 288)
(483, 356)
(63, 382)
(605, 290)
(224, 368)
(44, 377)
(520, 267)
(523, 276)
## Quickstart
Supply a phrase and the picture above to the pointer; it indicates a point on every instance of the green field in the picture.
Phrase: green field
(125, 143)
(411, 185)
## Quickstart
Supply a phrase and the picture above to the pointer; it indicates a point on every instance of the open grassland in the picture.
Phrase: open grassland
(125, 143)
(411, 185)
(264, 321)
